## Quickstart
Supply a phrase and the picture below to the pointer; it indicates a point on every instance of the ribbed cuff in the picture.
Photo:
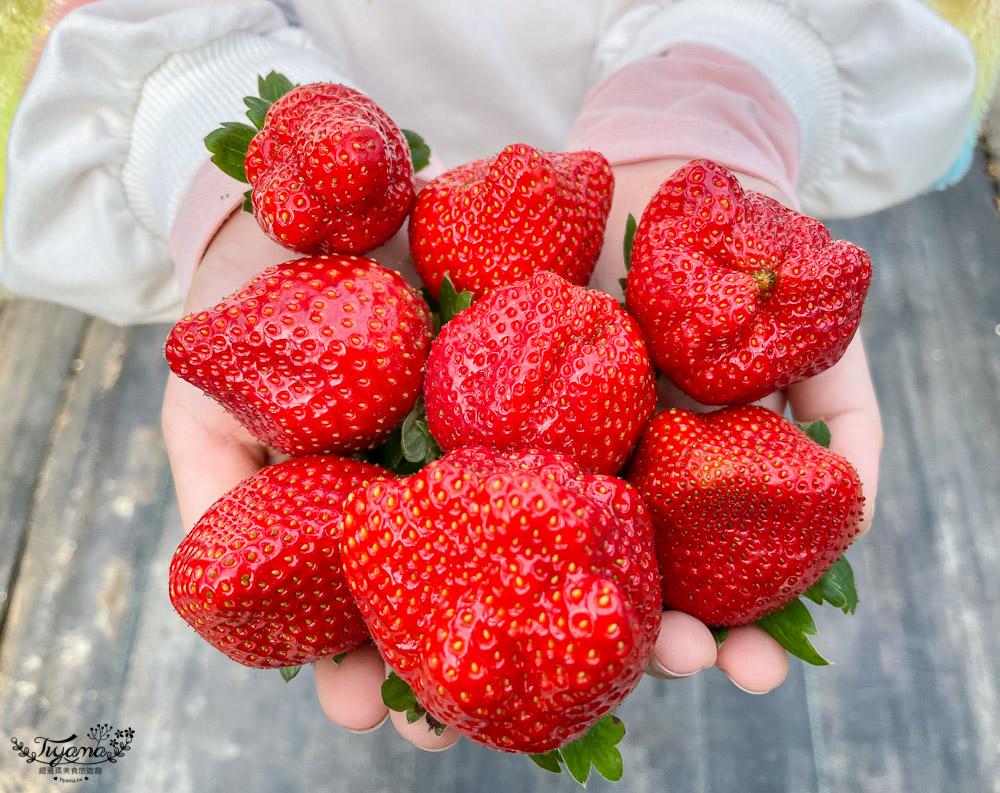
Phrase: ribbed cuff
(783, 47)
(694, 101)
(187, 97)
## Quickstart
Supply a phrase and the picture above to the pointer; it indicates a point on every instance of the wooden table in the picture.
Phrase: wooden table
(88, 524)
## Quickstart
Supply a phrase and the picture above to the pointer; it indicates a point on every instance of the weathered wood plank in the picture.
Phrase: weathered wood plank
(37, 346)
(96, 517)
(914, 706)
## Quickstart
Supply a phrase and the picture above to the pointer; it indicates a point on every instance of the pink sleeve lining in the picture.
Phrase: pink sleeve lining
(693, 101)
(207, 203)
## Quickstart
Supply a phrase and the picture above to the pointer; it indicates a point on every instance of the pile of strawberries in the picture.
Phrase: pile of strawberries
(477, 481)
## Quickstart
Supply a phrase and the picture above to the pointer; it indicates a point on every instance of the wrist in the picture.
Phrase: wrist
(237, 252)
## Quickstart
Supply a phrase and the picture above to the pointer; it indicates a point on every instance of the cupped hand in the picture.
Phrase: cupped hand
(843, 396)
(210, 453)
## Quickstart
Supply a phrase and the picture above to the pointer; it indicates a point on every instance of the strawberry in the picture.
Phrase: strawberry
(260, 576)
(541, 363)
(492, 222)
(317, 354)
(737, 295)
(516, 595)
(748, 511)
(330, 171)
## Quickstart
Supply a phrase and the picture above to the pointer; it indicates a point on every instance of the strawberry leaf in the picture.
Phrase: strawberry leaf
(836, 587)
(451, 301)
(288, 672)
(398, 696)
(228, 145)
(598, 747)
(339, 658)
(389, 455)
(248, 202)
(550, 761)
(790, 627)
(420, 152)
(417, 443)
(273, 87)
(627, 244)
(719, 634)
(257, 110)
(818, 431)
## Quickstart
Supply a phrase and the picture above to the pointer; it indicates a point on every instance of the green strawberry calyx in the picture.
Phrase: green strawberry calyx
(598, 747)
(449, 302)
(792, 625)
(398, 696)
(630, 226)
(228, 144)
(409, 448)
(818, 431)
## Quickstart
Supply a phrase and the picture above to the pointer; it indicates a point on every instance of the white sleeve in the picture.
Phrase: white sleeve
(882, 89)
(110, 132)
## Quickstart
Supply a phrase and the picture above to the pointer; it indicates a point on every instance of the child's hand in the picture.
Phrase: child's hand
(842, 396)
(210, 453)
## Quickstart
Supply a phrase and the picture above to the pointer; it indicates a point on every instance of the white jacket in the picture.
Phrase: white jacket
(110, 130)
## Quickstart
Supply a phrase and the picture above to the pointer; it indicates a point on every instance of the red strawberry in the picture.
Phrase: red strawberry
(517, 596)
(317, 354)
(492, 222)
(330, 171)
(739, 296)
(542, 363)
(260, 576)
(748, 511)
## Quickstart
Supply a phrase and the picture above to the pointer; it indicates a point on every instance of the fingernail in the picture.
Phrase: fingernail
(437, 749)
(367, 730)
(660, 668)
(745, 690)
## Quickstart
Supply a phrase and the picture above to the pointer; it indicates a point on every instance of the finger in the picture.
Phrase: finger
(418, 732)
(421, 736)
(350, 692)
(843, 396)
(753, 660)
(683, 646)
(210, 453)
(670, 396)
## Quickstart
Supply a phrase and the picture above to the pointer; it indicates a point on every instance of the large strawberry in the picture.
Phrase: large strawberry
(541, 363)
(317, 354)
(260, 576)
(517, 596)
(492, 222)
(738, 295)
(748, 511)
(330, 172)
